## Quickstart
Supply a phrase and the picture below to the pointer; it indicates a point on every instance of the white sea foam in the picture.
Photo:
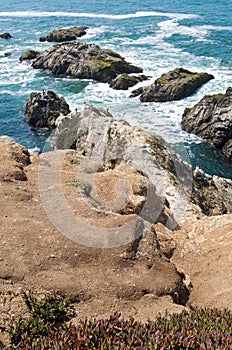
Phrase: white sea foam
(95, 15)
(93, 32)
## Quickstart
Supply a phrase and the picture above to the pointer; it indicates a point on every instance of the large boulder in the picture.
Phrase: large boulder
(83, 61)
(43, 108)
(174, 85)
(29, 55)
(5, 35)
(211, 119)
(65, 34)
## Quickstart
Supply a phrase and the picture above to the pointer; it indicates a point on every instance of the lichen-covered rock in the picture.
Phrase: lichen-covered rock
(83, 61)
(29, 55)
(5, 35)
(174, 85)
(211, 119)
(43, 108)
(124, 81)
(65, 34)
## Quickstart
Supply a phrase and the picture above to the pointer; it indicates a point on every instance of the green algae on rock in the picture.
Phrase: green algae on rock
(172, 86)
(84, 61)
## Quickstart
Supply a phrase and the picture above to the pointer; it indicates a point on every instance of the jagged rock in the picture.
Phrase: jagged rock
(124, 81)
(65, 34)
(29, 55)
(174, 85)
(43, 108)
(83, 61)
(14, 157)
(5, 36)
(212, 193)
(106, 143)
(66, 131)
(211, 119)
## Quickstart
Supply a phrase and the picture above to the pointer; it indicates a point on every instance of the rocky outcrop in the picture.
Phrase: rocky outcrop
(43, 108)
(14, 158)
(211, 119)
(29, 55)
(65, 34)
(5, 36)
(212, 193)
(107, 143)
(83, 61)
(124, 81)
(174, 85)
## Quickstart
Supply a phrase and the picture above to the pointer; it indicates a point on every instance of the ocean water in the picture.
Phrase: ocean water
(156, 35)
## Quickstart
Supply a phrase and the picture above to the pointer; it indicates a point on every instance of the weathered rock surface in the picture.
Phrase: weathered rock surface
(212, 193)
(124, 81)
(211, 119)
(174, 85)
(36, 255)
(84, 61)
(29, 55)
(14, 157)
(43, 108)
(5, 35)
(65, 34)
(107, 143)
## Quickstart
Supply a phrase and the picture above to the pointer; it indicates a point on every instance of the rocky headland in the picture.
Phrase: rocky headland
(119, 222)
(211, 119)
(174, 85)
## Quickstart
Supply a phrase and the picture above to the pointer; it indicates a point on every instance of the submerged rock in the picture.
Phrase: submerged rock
(43, 108)
(84, 61)
(211, 119)
(65, 34)
(174, 85)
(29, 55)
(5, 36)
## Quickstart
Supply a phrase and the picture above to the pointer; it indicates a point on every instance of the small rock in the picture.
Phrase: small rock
(5, 36)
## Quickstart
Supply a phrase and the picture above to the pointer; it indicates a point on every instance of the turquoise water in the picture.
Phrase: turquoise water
(155, 35)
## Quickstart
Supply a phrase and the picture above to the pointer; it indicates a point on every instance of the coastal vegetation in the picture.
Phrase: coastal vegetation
(46, 328)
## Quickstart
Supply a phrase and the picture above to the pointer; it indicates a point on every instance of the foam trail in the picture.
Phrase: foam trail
(95, 15)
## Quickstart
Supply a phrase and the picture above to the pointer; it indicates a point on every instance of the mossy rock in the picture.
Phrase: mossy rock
(84, 61)
(124, 81)
(174, 85)
(29, 55)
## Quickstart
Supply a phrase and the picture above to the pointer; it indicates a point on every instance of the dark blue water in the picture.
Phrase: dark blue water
(155, 35)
